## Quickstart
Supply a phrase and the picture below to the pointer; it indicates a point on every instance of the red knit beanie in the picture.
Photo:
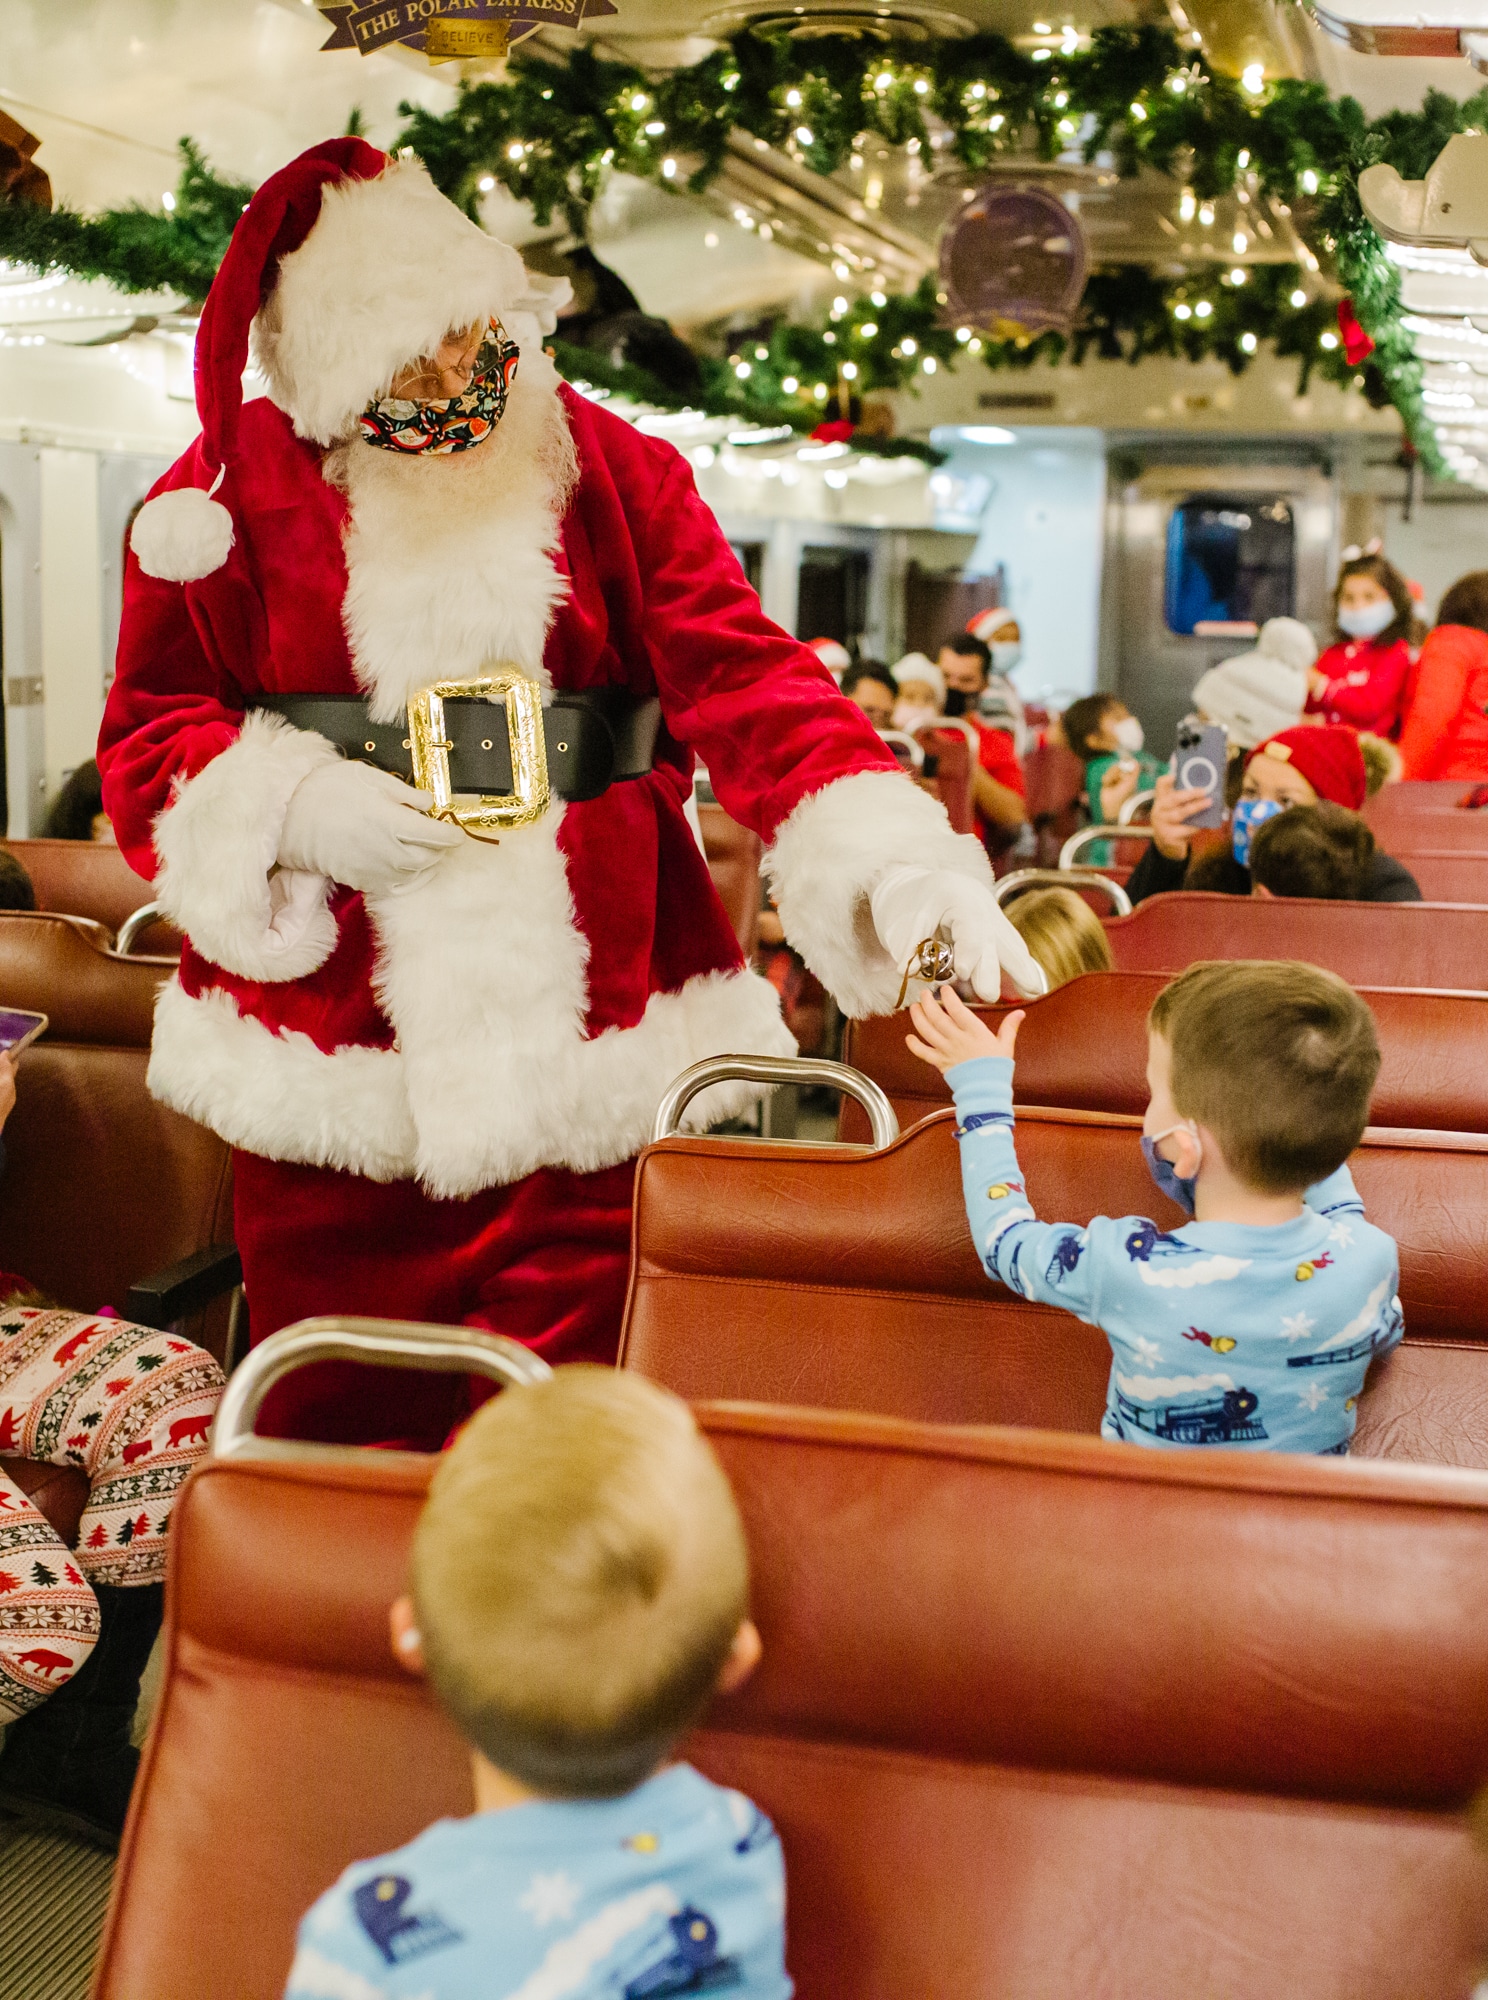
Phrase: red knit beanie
(1329, 758)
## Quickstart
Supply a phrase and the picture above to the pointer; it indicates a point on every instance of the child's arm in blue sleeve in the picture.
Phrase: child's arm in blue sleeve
(1047, 1261)
(1335, 1196)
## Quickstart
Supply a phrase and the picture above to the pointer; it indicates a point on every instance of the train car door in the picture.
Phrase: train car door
(1199, 557)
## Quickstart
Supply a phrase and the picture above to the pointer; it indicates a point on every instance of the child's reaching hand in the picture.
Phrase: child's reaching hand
(947, 1032)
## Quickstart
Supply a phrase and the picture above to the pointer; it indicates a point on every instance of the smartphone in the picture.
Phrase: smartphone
(19, 1029)
(1199, 766)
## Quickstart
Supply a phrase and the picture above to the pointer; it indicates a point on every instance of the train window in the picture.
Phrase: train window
(832, 601)
(752, 561)
(1230, 565)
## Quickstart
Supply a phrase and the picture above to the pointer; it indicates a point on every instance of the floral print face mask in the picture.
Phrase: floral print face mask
(457, 422)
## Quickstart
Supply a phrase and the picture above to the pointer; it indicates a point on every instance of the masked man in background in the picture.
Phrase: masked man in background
(437, 1042)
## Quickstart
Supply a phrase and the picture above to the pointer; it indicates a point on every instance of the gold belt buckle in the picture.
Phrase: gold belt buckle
(482, 816)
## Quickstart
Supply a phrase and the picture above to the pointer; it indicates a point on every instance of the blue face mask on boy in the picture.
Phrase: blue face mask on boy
(1247, 816)
(1177, 1187)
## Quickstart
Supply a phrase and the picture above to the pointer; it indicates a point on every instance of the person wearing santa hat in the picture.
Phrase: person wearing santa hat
(415, 657)
(1296, 767)
(833, 655)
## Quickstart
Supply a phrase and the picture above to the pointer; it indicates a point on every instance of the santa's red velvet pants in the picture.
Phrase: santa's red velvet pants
(544, 1260)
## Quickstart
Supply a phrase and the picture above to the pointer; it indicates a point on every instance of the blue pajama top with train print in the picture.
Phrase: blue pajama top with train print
(1221, 1332)
(678, 1887)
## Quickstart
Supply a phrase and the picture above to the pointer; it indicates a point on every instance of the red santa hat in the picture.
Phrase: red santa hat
(985, 623)
(344, 267)
(1329, 758)
(833, 655)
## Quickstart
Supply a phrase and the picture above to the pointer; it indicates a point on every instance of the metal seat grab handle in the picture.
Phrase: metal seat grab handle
(387, 1343)
(883, 1126)
(135, 924)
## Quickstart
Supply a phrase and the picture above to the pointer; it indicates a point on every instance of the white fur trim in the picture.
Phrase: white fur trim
(181, 536)
(482, 972)
(280, 1096)
(388, 269)
(827, 857)
(533, 318)
(217, 842)
(450, 561)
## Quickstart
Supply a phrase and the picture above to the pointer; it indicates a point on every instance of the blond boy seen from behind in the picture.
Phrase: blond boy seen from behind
(580, 1593)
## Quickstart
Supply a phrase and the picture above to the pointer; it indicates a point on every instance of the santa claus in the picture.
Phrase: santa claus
(416, 654)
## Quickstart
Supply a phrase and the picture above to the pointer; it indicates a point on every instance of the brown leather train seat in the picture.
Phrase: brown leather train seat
(82, 878)
(1448, 875)
(1036, 1716)
(65, 967)
(1084, 1047)
(103, 1187)
(733, 857)
(1438, 946)
(1443, 830)
(840, 1279)
(1420, 807)
(91, 879)
(955, 773)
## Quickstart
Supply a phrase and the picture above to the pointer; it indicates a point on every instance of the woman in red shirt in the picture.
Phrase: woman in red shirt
(1446, 717)
(1360, 679)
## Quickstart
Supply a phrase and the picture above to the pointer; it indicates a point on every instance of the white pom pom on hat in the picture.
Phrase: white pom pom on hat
(183, 535)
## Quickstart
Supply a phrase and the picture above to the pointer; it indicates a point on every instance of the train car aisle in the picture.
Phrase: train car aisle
(54, 1893)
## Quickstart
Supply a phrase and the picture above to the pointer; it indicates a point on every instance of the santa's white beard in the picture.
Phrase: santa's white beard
(450, 558)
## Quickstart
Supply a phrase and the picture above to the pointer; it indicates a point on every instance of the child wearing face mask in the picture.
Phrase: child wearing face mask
(1253, 1324)
(1108, 740)
(922, 692)
(1297, 767)
(1361, 679)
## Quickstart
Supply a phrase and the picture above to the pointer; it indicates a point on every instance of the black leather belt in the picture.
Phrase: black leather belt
(594, 737)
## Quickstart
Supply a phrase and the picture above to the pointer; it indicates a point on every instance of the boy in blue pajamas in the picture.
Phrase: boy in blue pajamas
(1253, 1325)
(580, 1591)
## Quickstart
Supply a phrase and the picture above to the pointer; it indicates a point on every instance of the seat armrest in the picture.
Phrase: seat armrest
(169, 1295)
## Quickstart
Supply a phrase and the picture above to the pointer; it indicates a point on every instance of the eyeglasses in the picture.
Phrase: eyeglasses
(422, 381)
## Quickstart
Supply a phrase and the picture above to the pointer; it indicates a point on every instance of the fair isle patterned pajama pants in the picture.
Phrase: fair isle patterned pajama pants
(130, 1409)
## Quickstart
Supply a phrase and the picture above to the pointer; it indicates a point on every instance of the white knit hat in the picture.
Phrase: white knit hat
(1260, 693)
(1288, 640)
(920, 667)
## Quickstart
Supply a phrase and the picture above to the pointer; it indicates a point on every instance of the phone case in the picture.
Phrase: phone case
(1199, 765)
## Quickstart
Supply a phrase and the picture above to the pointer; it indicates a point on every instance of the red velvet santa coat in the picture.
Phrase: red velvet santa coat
(527, 1003)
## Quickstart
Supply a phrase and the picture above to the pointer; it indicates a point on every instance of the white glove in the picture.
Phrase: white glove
(362, 827)
(911, 904)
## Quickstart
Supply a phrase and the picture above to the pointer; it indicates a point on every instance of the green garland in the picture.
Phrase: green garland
(136, 249)
(553, 131)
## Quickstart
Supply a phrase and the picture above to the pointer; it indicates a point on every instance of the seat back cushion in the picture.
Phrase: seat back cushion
(1035, 1716)
(62, 967)
(1084, 1048)
(103, 1185)
(83, 878)
(1368, 944)
(847, 1280)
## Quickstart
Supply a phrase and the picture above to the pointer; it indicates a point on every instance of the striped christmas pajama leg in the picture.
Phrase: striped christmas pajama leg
(48, 1615)
(128, 1406)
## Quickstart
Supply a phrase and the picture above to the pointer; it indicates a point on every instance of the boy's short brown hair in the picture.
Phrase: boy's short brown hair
(1278, 1059)
(579, 1575)
(1323, 851)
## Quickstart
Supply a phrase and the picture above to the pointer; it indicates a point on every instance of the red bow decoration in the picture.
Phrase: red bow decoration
(1357, 345)
(837, 431)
